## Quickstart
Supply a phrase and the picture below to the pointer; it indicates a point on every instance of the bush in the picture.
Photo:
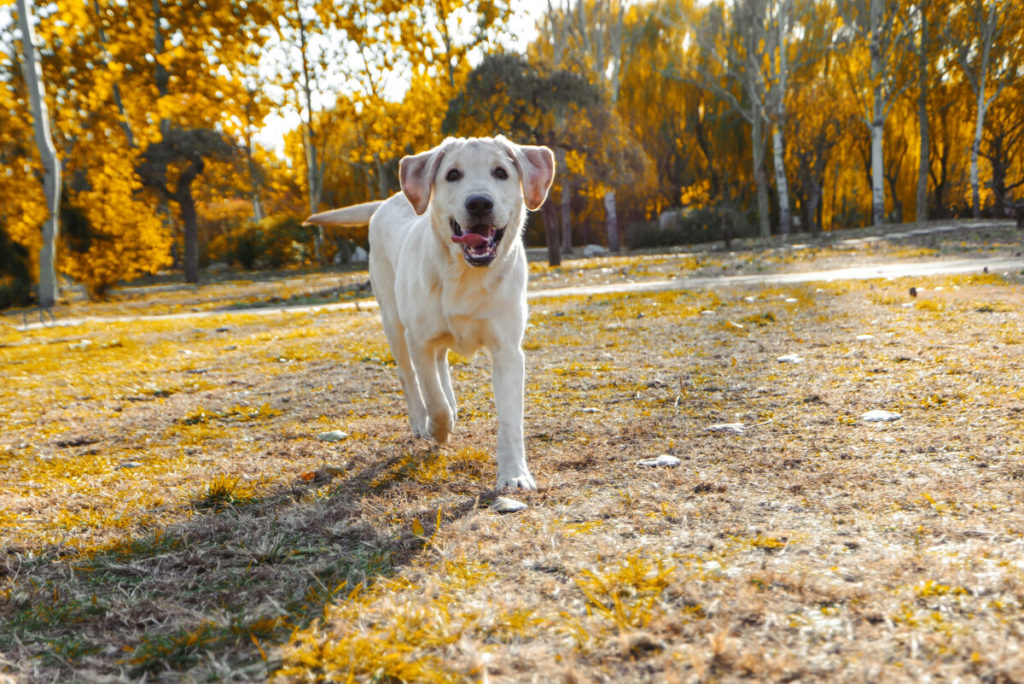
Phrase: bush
(276, 241)
(693, 227)
(109, 234)
(15, 275)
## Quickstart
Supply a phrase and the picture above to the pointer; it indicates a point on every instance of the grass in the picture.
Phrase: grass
(167, 513)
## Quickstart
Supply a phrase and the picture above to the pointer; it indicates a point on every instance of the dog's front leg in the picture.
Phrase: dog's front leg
(440, 420)
(509, 376)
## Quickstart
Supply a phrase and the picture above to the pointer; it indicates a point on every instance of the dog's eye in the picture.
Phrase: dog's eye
(453, 175)
(500, 173)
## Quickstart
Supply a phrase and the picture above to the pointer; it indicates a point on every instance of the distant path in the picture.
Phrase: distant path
(871, 271)
(899, 269)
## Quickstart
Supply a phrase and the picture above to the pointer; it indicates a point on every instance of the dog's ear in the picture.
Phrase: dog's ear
(537, 168)
(416, 174)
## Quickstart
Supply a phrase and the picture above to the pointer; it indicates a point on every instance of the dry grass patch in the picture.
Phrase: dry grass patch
(168, 513)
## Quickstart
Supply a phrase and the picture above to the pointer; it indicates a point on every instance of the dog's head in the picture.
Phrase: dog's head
(476, 190)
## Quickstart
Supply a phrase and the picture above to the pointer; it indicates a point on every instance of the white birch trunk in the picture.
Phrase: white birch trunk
(979, 129)
(877, 169)
(986, 29)
(778, 100)
(48, 288)
(612, 221)
(781, 184)
(877, 119)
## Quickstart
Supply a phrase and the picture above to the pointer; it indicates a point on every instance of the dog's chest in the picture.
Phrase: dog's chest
(468, 334)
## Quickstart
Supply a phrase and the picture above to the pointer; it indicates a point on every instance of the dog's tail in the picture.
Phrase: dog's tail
(356, 215)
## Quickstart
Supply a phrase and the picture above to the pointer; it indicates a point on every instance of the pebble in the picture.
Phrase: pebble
(728, 428)
(880, 416)
(504, 504)
(332, 436)
(665, 460)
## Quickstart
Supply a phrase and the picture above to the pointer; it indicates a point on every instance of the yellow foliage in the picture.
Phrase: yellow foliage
(127, 238)
(697, 195)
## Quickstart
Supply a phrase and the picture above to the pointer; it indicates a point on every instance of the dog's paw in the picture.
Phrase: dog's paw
(419, 429)
(440, 427)
(521, 481)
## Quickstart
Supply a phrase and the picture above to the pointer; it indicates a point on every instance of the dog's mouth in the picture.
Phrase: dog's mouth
(479, 243)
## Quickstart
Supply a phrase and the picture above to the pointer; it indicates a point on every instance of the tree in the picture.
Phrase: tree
(920, 15)
(1003, 148)
(591, 36)
(301, 30)
(48, 289)
(875, 26)
(824, 115)
(732, 51)
(180, 155)
(984, 50)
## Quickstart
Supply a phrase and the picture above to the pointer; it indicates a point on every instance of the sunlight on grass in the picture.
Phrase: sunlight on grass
(171, 468)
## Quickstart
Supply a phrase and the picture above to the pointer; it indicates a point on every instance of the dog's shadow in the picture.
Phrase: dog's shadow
(237, 576)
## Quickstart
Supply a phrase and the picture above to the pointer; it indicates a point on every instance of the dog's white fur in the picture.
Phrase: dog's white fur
(432, 295)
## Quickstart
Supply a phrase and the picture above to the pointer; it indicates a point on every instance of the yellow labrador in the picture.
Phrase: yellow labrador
(448, 268)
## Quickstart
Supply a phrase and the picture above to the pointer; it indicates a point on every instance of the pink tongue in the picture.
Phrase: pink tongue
(470, 239)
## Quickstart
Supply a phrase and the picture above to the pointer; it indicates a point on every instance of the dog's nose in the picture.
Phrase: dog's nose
(479, 206)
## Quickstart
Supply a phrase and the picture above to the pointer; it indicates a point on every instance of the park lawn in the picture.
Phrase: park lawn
(167, 511)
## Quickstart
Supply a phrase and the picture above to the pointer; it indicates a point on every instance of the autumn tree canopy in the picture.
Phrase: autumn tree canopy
(838, 113)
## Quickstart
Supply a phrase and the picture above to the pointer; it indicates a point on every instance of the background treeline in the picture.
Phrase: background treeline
(672, 121)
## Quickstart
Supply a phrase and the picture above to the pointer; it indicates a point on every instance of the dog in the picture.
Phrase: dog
(448, 269)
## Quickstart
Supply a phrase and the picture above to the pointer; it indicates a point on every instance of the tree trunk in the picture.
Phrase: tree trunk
(979, 129)
(778, 149)
(778, 99)
(313, 177)
(924, 161)
(189, 218)
(48, 289)
(548, 211)
(813, 206)
(757, 144)
(877, 119)
(877, 170)
(565, 202)
(611, 221)
(254, 182)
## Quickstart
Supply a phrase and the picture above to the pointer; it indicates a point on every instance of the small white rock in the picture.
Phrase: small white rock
(880, 416)
(665, 460)
(332, 436)
(129, 464)
(728, 428)
(504, 504)
(707, 312)
(790, 358)
(865, 338)
(791, 300)
(591, 409)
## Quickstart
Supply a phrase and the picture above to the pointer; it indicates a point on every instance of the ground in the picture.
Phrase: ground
(168, 512)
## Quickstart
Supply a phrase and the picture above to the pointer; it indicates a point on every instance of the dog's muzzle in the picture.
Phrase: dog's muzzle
(479, 243)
